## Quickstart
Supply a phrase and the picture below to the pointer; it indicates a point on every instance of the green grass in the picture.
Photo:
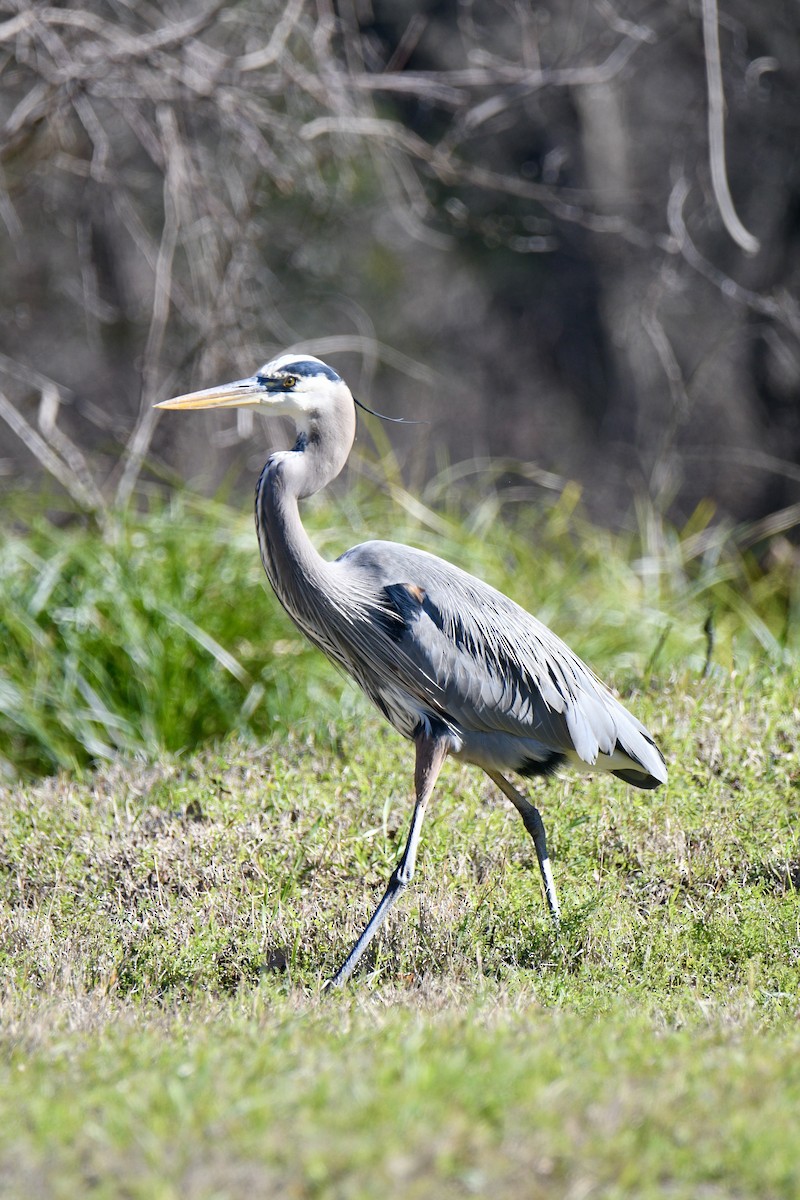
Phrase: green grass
(159, 632)
(154, 636)
(434, 1103)
(169, 913)
(166, 931)
(201, 874)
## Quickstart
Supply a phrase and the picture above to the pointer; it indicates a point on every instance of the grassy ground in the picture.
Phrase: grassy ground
(166, 923)
(166, 931)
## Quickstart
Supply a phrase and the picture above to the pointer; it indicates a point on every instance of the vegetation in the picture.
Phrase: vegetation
(153, 633)
(516, 225)
(168, 912)
(508, 218)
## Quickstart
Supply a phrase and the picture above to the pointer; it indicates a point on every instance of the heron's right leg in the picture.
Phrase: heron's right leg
(534, 824)
(431, 753)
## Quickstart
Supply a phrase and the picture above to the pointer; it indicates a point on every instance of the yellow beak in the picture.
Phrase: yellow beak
(229, 395)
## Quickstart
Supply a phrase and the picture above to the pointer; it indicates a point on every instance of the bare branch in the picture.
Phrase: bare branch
(258, 59)
(419, 84)
(188, 165)
(48, 459)
(640, 33)
(122, 44)
(746, 456)
(139, 443)
(668, 359)
(448, 86)
(16, 25)
(787, 313)
(716, 132)
(769, 526)
(408, 42)
(71, 455)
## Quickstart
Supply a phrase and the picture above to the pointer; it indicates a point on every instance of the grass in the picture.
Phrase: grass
(167, 918)
(436, 1103)
(166, 931)
(157, 634)
(153, 637)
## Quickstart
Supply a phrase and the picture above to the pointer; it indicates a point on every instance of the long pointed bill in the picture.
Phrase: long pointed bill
(229, 395)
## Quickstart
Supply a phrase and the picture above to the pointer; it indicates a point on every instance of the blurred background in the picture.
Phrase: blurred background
(566, 233)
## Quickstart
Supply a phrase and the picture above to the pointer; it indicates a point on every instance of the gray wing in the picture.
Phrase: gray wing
(477, 658)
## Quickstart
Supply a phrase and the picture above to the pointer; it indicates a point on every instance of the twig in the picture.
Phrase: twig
(267, 55)
(419, 84)
(787, 313)
(668, 359)
(9, 29)
(121, 43)
(504, 73)
(746, 456)
(408, 42)
(716, 132)
(451, 171)
(640, 33)
(531, 81)
(555, 201)
(774, 523)
(63, 445)
(139, 443)
(51, 462)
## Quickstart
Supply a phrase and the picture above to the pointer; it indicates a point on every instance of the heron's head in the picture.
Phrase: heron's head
(293, 385)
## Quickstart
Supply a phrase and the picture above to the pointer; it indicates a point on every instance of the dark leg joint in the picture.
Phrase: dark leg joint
(400, 877)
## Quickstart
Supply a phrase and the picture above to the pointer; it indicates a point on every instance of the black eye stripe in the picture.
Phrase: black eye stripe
(305, 367)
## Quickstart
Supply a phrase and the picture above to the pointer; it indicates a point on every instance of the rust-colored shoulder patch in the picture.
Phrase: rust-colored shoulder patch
(415, 592)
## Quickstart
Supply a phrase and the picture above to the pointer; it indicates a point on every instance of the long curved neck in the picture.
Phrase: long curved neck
(293, 565)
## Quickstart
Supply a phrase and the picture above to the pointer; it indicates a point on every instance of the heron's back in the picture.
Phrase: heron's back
(430, 642)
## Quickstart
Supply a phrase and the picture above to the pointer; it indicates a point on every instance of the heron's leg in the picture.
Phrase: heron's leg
(534, 824)
(431, 753)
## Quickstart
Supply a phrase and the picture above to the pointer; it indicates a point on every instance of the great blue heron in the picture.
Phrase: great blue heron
(453, 664)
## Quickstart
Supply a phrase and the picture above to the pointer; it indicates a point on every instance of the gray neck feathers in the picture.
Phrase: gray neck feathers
(301, 578)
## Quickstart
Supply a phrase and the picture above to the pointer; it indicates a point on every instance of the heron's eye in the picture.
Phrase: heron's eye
(289, 381)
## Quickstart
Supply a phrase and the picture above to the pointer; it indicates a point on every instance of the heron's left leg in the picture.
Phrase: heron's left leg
(534, 824)
(431, 753)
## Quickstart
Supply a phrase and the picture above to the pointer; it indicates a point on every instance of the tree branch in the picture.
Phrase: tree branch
(716, 132)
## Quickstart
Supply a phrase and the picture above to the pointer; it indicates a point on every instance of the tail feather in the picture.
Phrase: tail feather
(647, 768)
(637, 779)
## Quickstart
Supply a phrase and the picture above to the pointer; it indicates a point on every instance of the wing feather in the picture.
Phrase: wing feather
(472, 656)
